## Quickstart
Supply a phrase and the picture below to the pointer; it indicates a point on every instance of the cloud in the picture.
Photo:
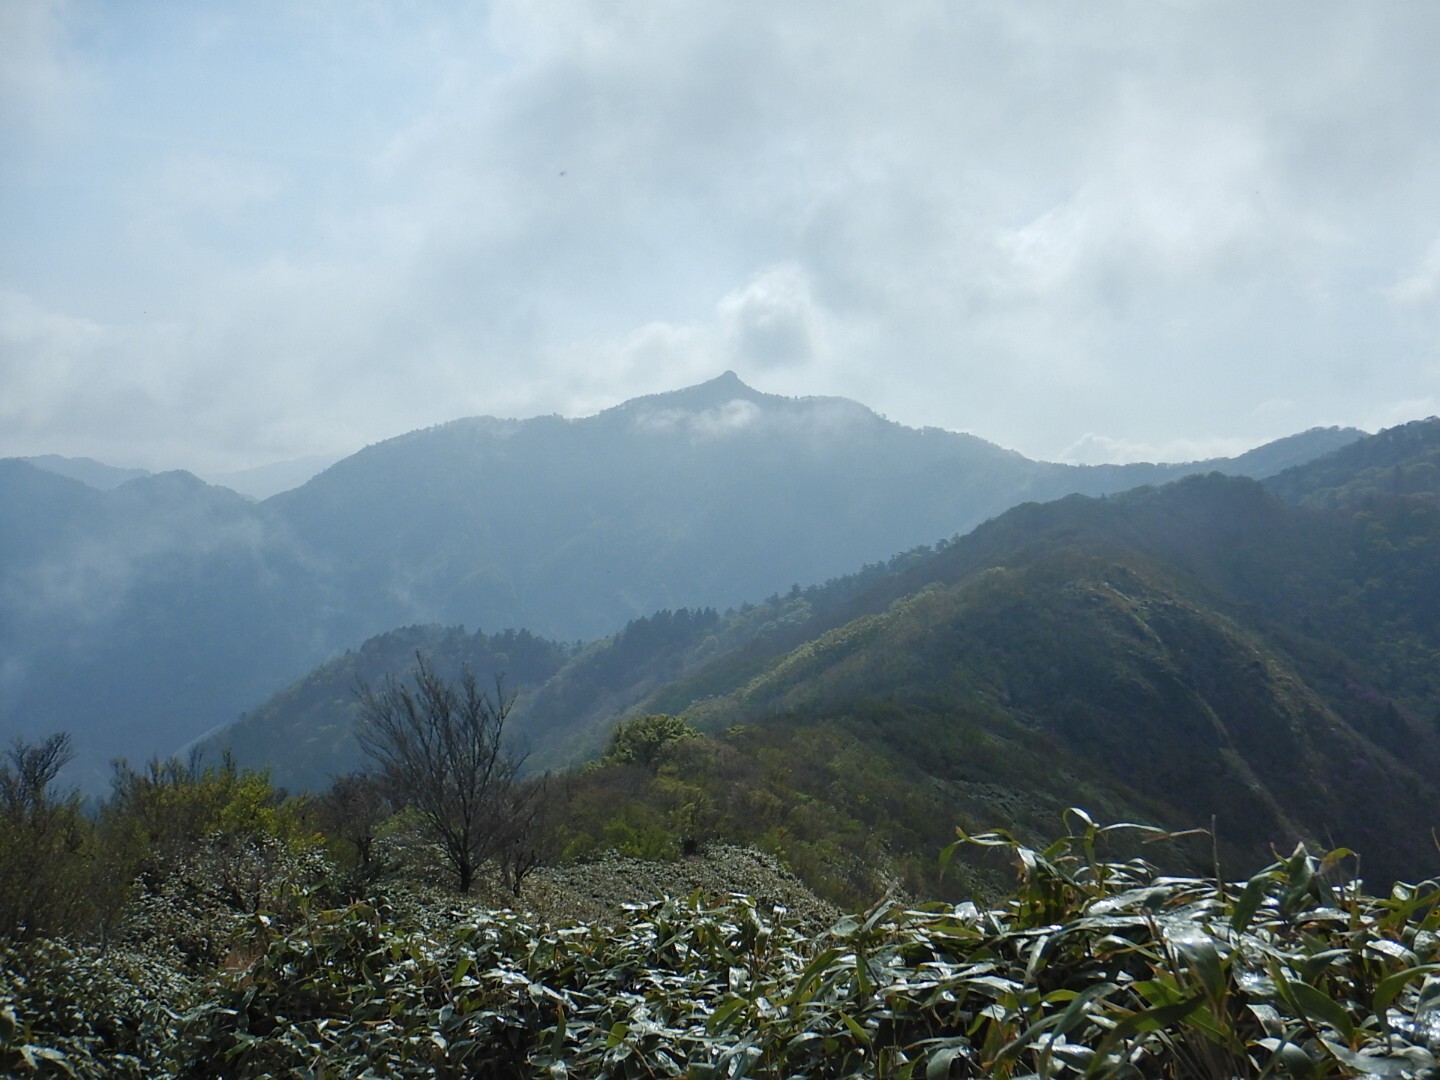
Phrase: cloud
(1420, 285)
(769, 325)
(1174, 205)
(1024, 221)
(718, 422)
(110, 386)
(41, 80)
(1394, 413)
(772, 322)
(216, 185)
(1094, 449)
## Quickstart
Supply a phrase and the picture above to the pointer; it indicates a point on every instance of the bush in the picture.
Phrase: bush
(47, 847)
(1090, 968)
(80, 1012)
(643, 740)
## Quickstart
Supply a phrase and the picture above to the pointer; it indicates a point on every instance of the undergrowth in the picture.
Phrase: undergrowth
(1090, 968)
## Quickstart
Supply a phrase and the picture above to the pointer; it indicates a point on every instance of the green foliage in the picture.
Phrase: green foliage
(350, 813)
(836, 802)
(47, 847)
(194, 910)
(185, 849)
(1090, 967)
(173, 804)
(599, 816)
(68, 1010)
(643, 740)
(1403, 460)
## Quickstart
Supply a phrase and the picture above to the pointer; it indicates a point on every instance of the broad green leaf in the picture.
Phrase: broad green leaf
(721, 1016)
(1388, 989)
(938, 1067)
(1250, 900)
(1315, 1004)
(1204, 959)
(460, 969)
(861, 1035)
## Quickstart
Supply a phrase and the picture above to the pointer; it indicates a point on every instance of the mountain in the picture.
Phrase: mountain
(1282, 454)
(126, 611)
(313, 718)
(140, 617)
(707, 496)
(1399, 461)
(1263, 656)
(256, 483)
(86, 470)
(263, 481)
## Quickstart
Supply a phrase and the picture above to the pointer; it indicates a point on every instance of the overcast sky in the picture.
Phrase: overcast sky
(239, 233)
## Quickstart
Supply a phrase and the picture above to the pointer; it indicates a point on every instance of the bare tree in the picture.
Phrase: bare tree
(353, 809)
(441, 747)
(44, 842)
(27, 776)
(522, 840)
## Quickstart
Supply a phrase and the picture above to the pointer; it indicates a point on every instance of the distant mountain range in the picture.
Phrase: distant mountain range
(259, 482)
(139, 616)
(87, 470)
(1263, 655)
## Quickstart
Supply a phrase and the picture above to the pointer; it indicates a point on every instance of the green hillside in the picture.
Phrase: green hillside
(140, 616)
(1204, 651)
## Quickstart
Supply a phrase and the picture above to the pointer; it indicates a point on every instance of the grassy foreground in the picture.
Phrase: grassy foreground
(1089, 969)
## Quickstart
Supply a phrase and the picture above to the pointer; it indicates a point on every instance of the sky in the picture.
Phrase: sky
(235, 234)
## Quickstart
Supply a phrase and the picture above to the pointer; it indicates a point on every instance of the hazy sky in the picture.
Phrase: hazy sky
(237, 233)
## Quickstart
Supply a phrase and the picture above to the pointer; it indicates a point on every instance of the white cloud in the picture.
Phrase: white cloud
(1025, 221)
(110, 390)
(718, 422)
(1419, 287)
(772, 322)
(1399, 412)
(40, 79)
(1094, 449)
(217, 185)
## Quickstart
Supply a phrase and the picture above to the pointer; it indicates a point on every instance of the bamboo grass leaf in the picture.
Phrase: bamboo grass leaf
(1389, 988)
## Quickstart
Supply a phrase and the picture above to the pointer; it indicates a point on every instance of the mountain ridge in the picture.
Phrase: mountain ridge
(1203, 648)
(165, 607)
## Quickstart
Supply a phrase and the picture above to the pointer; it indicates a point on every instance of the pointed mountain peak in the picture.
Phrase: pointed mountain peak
(711, 394)
(729, 382)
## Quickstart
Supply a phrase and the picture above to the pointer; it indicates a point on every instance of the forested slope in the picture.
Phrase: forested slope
(1201, 651)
